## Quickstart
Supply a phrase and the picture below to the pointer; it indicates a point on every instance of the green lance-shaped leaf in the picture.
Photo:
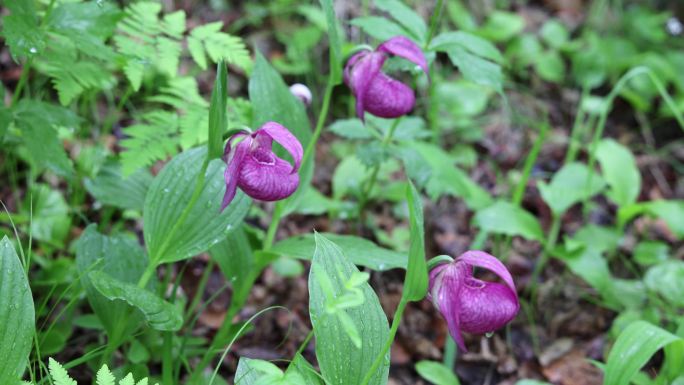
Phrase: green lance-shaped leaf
(360, 251)
(17, 315)
(121, 258)
(620, 171)
(173, 233)
(416, 282)
(334, 41)
(161, 315)
(272, 101)
(633, 348)
(507, 218)
(217, 111)
(437, 373)
(340, 361)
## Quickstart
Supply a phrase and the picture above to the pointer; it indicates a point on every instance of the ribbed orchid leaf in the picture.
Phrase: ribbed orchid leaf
(217, 111)
(633, 349)
(416, 281)
(341, 362)
(17, 315)
(171, 235)
(507, 218)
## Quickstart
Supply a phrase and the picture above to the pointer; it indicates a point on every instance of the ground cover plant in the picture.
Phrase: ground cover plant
(341, 192)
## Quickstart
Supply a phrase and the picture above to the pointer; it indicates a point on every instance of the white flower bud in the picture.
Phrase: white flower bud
(302, 92)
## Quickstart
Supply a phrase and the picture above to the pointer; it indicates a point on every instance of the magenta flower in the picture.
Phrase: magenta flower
(376, 92)
(469, 304)
(254, 167)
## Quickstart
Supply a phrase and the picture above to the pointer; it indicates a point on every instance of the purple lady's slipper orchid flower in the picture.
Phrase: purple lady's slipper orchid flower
(469, 304)
(376, 92)
(254, 167)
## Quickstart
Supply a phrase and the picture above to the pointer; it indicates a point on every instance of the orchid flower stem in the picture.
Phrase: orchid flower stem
(621, 83)
(374, 174)
(307, 157)
(22, 81)
(434, 21)
(393, 332)
(544, 258)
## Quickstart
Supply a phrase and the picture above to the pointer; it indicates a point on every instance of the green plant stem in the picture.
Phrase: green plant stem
(147, 274)
(306, 158)
(22, 81)
(434, 22)
(519, 192)
(450, 353)
(393, 332)
(622, 82)
(167, 358)
(368, 187)
(577, 128)
(548, 248)
(273, 226)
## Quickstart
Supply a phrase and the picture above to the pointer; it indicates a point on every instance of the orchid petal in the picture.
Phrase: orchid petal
(232, 173)
(486, 306)
(491, 263)
(388, 98)
(285, 138)
(404, 47)
(266, 177)
(360, 72)
(445, 290)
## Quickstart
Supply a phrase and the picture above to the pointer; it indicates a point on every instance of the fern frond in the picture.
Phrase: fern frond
(218, 45)
(143, 38)
(59, 374)
(105, 376)
(128, 380)
(154, 139)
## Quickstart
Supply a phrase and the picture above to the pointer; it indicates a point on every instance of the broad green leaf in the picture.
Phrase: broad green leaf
(620, 171)
(506, 218)
(272, 101)
(51, 221)
(416, 281)
(554, 33)
(670, 211)
(306, 370)
(436, 373)
(378, 28)
(475, 68)
(651, 252)
(334, 41)
(413, 23)
(159, 314)
(592, 267)
(172, 236)
(634, 347)
(569, 185)
(121, 258)
(360, 251)
(501, 26)
(217, 111)
(340, 361)
(666, 279)
(17, 315)
(239, 263)
(89, 19)
(44, 147)
(245, 373)
(352, 129)
(110, 187)
(471, 43)
(21, 29)
(550, 66)
(447, 178)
